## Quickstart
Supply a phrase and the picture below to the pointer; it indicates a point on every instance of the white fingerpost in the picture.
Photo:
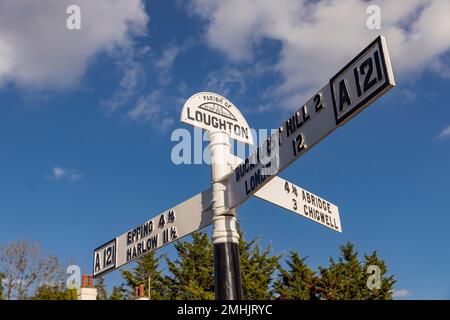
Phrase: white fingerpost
(227, 275)
(358, 84)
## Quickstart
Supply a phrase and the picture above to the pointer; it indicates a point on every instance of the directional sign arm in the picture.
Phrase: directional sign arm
(364, 79)
(170, 225)
(300, 201)
(289, 196)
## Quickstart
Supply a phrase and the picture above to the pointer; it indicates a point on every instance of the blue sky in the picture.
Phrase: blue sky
(86, 119)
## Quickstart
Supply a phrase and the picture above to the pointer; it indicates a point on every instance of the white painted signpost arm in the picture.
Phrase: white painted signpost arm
(364, 79)
(168, 226)
(289, 196)
(300, 201)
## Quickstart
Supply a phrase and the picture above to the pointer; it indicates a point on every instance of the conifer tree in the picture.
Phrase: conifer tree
(118, 293)
(54, 292)
(146, 267)
(257, 269)
(102, 293)
(296, 283)
(192, 272)
(385, 290)
(344, 279)
(347, 278)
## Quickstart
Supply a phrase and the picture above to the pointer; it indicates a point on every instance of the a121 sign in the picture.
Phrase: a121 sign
(360, 81)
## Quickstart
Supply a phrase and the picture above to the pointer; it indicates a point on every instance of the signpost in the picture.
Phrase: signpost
(302, 202)
(364, 79)
(212, 112)
(192, 215)
(367, 77)
(168, 226)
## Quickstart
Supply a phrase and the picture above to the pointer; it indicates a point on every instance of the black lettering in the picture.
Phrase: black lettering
(162, 221)
(189, 114)
(367, 70)
(294, 190)
(237, 173)
(298, 144)
(166, 236)
(358, 84)
(237, 130)
(207, 119)
(244, 132)
(222, 124)
(344, 97)
(154, 240)
(173, 233)
(305, 114)
(171, 217)
(318, 101)
(298, 121)
(378, 66)
(139, 249)
(247, 190)
(198, 116)
(289, 129)
(214, 122)
(97, 262)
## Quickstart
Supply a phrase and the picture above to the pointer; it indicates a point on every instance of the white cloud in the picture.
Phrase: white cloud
(441, 66)
(60, 174)
(445, 134)
(165, 62)
(401, 293)
(134, 75)
(225, 80)
(235, 81)
(37, 50)
(149, 109)
(317, 37)
(168, 57)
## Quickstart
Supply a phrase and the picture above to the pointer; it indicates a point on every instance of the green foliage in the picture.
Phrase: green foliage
(118, 293)
(192, 273)
(296, 283)
(257, 270)
(102, 293)
(147, 266)
(54, 292)
(387, 282)
(347, 278)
